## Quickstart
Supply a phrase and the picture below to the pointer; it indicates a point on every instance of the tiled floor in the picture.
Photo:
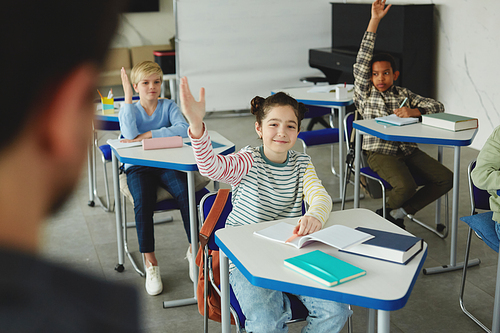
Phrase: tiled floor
(84, 238)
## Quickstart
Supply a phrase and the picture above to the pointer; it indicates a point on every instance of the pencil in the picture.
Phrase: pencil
(99, 93)
(403, 102)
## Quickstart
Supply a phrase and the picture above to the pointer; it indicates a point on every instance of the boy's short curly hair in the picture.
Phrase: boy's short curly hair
(384, 57)
(143, 70)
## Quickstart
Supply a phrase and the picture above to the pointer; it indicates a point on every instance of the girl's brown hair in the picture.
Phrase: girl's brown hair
(260, 106)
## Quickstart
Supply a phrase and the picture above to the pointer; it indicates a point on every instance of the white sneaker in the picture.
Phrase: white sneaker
(189, 257)
(154, 286)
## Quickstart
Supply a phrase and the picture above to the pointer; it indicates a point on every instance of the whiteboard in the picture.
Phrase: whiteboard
(240, 49)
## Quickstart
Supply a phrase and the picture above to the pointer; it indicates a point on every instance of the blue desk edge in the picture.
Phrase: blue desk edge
(402, 138)
(366, 302)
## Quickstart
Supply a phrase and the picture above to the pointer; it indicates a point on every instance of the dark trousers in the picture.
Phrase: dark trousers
(143, 183)
(400, 170)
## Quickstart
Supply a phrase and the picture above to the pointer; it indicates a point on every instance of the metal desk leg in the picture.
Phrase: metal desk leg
(357, 164)
(383, 321)
(371, 320)
(496, 307)
(118, 213)
(194, 241)
(453, 266)
(224, 282)
(90, 172)
(341, 150)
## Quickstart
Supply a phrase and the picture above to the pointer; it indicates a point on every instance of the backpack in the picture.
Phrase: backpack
(205, 287)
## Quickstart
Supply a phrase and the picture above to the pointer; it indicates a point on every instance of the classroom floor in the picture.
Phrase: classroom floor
(84, 238)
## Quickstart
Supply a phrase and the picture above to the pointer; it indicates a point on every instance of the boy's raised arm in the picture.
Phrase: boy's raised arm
(127, 88)
(378, 12)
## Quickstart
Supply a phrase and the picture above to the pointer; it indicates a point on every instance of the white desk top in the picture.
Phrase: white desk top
(417, 133)
(173, 158)
(323, 99)
(386, 286)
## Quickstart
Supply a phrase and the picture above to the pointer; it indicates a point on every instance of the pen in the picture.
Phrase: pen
(292, 238)
(403, 102)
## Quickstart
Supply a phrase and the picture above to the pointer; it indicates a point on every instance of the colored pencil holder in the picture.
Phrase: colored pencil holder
(108, 105)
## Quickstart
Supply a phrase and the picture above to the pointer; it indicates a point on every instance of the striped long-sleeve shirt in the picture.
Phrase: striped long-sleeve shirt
(263, 190)
(371, 103)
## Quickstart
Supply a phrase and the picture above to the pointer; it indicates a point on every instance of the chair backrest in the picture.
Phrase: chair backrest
(205, 205)
(348, 120)
(479, 199)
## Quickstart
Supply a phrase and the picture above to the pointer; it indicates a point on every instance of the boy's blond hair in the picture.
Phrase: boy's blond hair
(145, 69)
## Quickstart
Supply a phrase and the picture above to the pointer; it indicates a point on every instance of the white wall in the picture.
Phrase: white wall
(240, 49)
(139, 29)
(467, 61)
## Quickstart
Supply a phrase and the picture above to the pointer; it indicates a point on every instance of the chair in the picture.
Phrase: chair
(484, 228)
(105, 152)
(323, 136)
(164, 202)
(299, 311)
(384, 185)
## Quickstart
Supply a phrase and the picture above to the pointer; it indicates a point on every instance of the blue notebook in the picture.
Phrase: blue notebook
(388, 246)
(324, 268)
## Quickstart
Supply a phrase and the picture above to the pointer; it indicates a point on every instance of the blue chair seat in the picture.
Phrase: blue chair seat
(319, 137)
(484, 227)
(106, 152)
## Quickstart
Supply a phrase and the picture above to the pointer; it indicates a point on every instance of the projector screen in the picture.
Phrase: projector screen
(240, 49)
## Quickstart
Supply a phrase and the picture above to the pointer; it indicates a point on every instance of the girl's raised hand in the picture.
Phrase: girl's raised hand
(193, 111)
(127, 88)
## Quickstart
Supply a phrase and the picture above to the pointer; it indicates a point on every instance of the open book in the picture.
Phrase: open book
(395, 120)
(338, 236)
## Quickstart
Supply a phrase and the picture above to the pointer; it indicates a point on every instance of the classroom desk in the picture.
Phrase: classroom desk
(327, 100)
(385, 287)
(181, 159)
(419, 133)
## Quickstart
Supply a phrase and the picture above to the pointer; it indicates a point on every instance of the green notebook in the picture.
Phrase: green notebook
(324, 268)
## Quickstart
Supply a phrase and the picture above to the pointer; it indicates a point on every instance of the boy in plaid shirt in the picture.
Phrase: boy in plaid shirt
(375, 95)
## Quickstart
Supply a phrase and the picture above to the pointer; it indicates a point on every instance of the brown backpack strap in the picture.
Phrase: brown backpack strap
(212, 218)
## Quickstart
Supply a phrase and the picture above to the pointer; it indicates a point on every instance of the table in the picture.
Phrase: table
(385, 287)
(181, 159)
(419, 133)
(328, 100)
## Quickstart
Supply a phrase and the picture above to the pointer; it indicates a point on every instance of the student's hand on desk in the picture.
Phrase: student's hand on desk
(139, 138)
(127, 88)
(406, 112)
(193, 110)
(307, 225)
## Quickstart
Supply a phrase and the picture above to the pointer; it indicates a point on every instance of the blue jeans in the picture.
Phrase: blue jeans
(143, 183)
(268, 310)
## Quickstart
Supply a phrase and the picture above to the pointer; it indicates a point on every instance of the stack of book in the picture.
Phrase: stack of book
(388, 246)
